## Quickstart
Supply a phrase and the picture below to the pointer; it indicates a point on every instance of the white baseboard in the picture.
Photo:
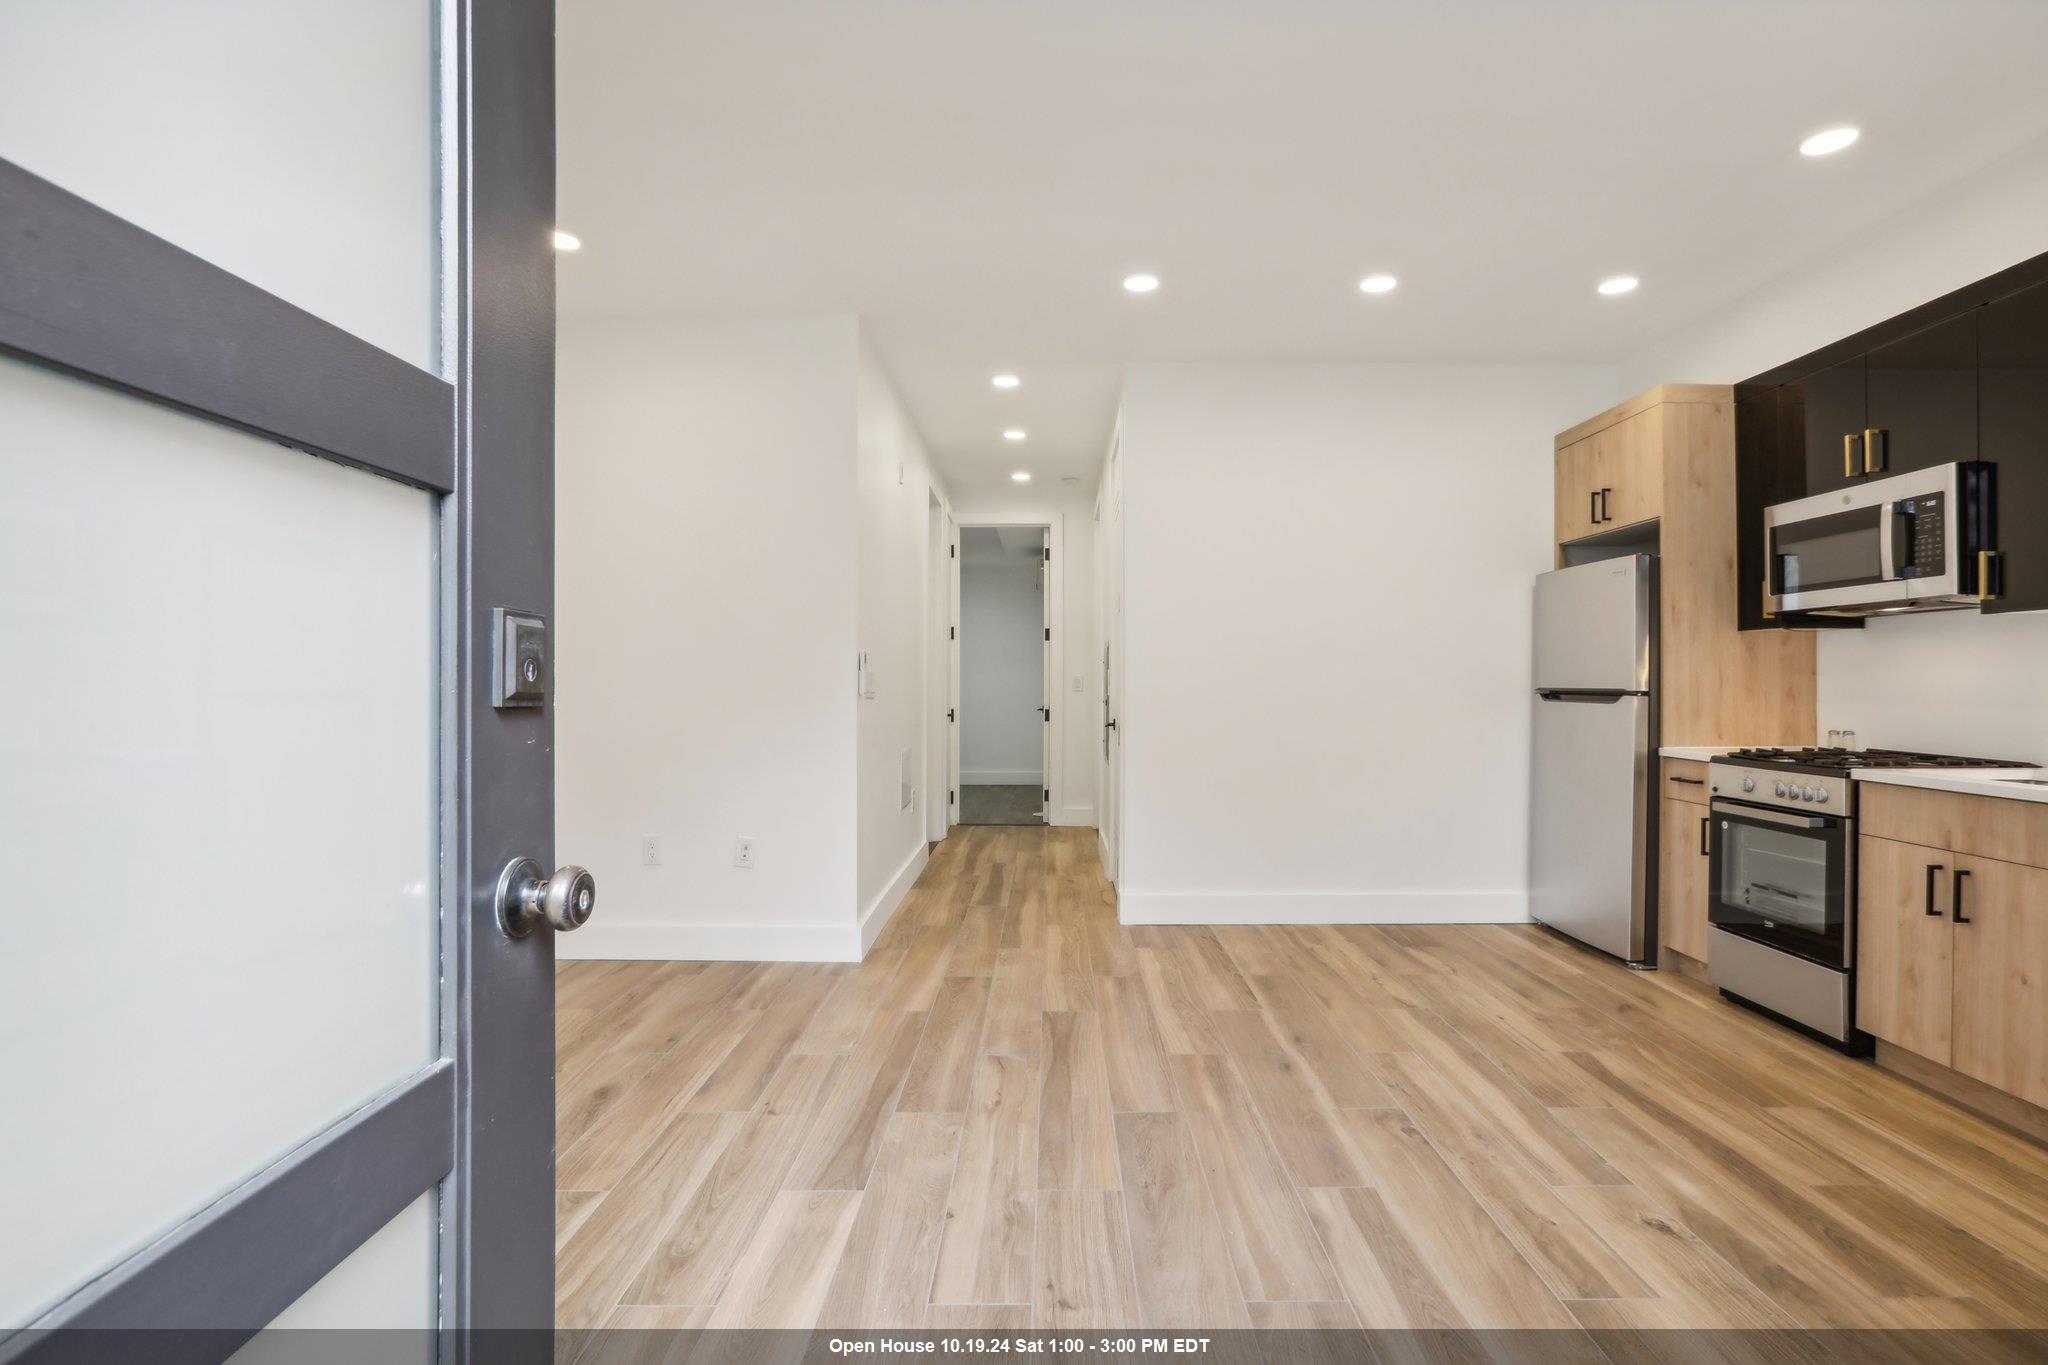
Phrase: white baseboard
(1343, 907)
(876, 917)
(1001, 777)
(600, 940)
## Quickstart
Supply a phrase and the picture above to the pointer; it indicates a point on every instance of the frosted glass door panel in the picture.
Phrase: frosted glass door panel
(288, 141)
(385, 1286)
(218, 812)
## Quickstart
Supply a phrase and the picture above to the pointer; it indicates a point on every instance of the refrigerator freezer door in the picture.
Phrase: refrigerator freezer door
(1589, 831)
(1593, 625)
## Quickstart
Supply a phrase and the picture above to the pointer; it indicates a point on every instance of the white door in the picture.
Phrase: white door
(273, 447)
(953, 673)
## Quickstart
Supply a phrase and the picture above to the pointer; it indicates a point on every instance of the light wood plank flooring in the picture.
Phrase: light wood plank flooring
(1018, 1113)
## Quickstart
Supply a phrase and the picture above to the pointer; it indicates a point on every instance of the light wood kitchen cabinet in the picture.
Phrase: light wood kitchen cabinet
(1611, 478)
(1905, 975)
(1668, 456)
(2001, 977)
(1682, 878)
(1952, 965)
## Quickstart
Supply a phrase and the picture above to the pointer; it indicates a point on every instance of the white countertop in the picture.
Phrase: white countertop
(1970, 781)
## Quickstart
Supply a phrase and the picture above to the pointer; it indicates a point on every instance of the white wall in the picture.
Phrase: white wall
(1002, 670)
(1076, 641)
(1955, 682)
(705, 632)
(895, 485)
(1326, 672)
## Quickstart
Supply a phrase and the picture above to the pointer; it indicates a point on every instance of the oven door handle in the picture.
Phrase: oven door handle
(1775, 817)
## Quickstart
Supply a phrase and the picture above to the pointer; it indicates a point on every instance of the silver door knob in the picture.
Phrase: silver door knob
(527, 896)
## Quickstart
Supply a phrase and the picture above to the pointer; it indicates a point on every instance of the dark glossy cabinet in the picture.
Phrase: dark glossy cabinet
(1964, 377)
(2012, 405)
(1922, 401)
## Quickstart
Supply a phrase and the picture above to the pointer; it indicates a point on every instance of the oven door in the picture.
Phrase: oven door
(1781, 878)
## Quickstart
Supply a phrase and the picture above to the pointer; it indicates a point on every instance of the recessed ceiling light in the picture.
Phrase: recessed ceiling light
(1833, 140)
(1021, 476)
(1006, 381)
(567, 241)
(1014, 434)
(1377, 284)
(1141, 284)
(1620, 284)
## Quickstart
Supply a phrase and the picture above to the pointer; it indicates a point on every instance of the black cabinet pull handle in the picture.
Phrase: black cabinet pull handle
(1606, 512)
(1703, 835)
(1932, 868)
(1691, 781)
(1593, 506)
(1956, 897)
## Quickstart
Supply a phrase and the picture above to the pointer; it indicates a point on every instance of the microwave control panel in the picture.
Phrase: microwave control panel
(1921, 554)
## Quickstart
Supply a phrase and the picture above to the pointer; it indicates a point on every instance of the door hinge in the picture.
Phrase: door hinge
(1048, 632)
(952, 632)
(1048, 554)
(1046, 794)
(949, 797)
(1048, 714)
(952, 552)
(949, 713)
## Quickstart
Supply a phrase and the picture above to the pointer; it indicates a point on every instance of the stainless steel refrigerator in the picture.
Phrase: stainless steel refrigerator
(1593, 804)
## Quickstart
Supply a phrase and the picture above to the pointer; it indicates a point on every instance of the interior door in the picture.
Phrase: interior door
(276, 364)
(953, 674)
(1046, 681)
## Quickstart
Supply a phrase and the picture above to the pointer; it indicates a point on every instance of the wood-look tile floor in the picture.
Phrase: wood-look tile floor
(1017, 1113)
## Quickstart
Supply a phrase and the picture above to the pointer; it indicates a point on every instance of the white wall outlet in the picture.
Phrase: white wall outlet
(1080, 683)
(650, 851)
(743, 853)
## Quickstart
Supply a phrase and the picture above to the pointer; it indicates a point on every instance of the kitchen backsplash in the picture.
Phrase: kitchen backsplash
(1947, 682)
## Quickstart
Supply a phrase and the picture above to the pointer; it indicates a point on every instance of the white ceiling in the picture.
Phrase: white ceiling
(974, 178)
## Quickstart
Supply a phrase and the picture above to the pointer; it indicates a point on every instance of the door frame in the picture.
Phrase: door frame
(85, 292)
(1053, 658)
(942, 668)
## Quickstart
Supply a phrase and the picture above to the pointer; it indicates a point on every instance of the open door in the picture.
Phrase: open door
(1046, 683)
(277, 381)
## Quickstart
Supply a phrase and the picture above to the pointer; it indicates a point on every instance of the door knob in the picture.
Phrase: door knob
(527, 896)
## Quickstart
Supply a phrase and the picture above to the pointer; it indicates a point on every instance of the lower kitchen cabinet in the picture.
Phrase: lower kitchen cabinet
(2001, 976)
(1952, 961)
(1905, 961)
(1682, 878)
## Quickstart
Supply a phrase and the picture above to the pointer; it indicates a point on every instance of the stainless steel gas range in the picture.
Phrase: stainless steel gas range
(1781, 881)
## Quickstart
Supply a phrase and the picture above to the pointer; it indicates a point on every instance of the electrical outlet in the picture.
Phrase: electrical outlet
(1080, 682)
(650, 851)
(743, 853)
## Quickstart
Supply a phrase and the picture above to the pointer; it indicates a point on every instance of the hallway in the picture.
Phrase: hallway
(1017, 1113)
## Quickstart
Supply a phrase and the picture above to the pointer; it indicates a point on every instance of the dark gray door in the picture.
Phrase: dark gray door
(276, 375)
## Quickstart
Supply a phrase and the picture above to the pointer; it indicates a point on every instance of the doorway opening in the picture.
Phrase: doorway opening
(1005, 715)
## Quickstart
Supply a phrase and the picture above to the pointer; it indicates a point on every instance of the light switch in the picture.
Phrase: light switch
(520, 659)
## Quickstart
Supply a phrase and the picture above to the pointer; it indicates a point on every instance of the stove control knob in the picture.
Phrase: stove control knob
(1806, 793)
(1749, 784)
(1777, 789)
(1821, 796)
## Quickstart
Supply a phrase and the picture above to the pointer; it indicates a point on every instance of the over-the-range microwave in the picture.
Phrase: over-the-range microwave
(1922, 541)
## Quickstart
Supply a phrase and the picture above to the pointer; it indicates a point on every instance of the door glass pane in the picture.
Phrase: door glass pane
(288, 141)
(218, 813)
(386, 1286)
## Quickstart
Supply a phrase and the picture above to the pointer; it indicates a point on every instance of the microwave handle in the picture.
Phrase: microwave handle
(1888, 566)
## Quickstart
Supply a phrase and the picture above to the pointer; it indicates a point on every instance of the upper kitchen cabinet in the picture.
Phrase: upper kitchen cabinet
(1662, 465)
(2012, 433)
(1820, 423)
(1922, 405)
(1609, 476)
(1961, 378)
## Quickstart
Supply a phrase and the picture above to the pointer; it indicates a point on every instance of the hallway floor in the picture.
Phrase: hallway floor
(1018, 1113)
(981, 805)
